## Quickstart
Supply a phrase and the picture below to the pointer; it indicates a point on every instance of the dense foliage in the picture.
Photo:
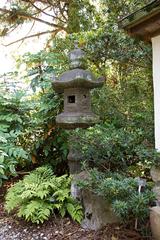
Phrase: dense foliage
(39, 194)
(13, 121)
(28, 134)
(122, 193)
(124, 139)
(116, 149)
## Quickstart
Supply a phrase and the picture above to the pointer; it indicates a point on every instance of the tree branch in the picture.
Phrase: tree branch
(41, 1)
(40, 10)
(47, 14)
(62, 9)
(148, 55)
(27, 33)
(33, 35)
(12, 28)
(27, 16)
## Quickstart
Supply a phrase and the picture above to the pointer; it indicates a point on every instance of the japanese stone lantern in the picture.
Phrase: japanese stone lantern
(76, 84)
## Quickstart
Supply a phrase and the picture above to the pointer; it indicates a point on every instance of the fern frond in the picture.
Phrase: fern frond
(13, 197)
(39, 193)
(36, 211)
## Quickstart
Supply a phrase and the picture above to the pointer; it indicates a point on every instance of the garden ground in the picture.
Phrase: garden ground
(56, 228)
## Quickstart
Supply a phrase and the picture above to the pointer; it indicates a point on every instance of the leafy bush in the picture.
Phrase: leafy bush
(13, 119)
(122, 193)
(136, 206)
(46, 142)
(39, 193)
(108, 147)
(27, 126)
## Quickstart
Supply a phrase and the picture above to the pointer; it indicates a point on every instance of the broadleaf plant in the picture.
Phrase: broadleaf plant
(13, 119)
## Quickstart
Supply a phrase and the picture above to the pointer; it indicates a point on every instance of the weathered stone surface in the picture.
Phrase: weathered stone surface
(77, 58)
(74, 159)
(155, 174)
(76, 192)
(155, 222)
(76, 120)
(98, 211)
(156, 190)
(82, 101)
(77, 78)
(77, 109)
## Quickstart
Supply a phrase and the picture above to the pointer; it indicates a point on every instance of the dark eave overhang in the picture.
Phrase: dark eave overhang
(144, 23)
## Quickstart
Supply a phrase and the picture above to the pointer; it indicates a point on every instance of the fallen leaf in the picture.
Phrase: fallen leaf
(114, 238)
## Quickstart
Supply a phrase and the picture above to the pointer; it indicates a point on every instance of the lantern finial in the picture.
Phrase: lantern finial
(77, 58)
(76, 44)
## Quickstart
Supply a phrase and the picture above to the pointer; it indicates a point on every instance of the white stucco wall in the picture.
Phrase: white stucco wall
(156, 85)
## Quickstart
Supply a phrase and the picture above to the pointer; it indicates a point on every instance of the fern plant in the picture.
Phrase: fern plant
(40, 193)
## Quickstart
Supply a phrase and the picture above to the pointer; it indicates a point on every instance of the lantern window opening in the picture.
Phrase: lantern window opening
(71, 99)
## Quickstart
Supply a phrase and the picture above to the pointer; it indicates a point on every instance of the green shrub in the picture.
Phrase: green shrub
(122, 193)
(135, 206)
(117, 149)
(39, 194)
(13, 120)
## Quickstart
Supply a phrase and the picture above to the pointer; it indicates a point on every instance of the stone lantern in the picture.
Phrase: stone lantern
(76, 84)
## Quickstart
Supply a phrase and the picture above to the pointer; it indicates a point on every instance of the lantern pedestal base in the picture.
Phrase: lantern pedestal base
(97, 211)
(155, 222)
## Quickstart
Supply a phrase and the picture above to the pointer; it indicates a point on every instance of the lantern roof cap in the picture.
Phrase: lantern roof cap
(77, 76)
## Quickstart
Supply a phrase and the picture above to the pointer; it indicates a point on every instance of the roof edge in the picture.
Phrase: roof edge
(140, 15)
